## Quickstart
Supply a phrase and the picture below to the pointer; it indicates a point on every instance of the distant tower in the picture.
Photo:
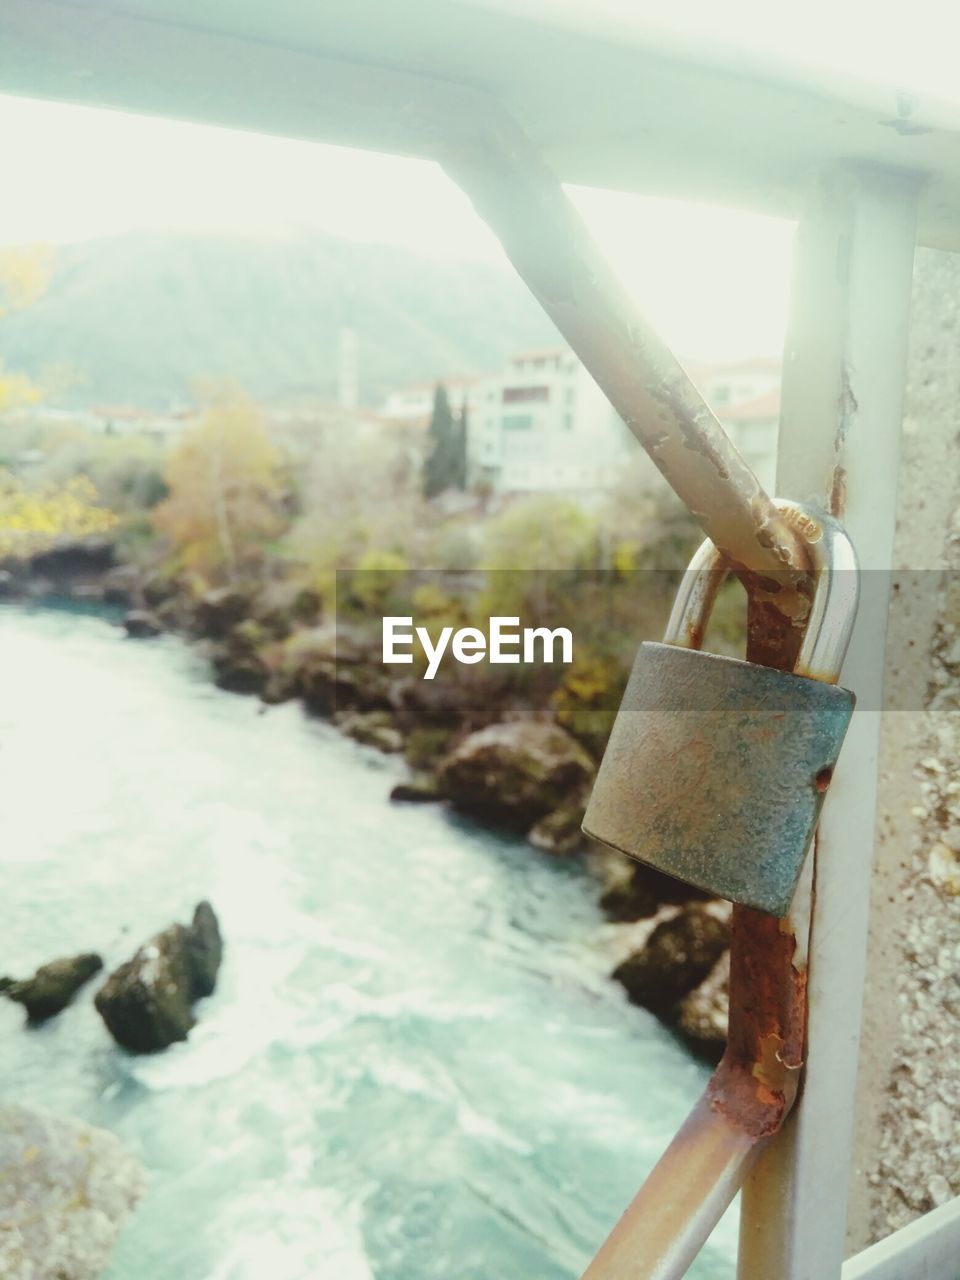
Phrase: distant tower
(348, 368)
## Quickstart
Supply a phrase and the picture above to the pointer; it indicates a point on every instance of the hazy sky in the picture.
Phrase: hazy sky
(712, 280)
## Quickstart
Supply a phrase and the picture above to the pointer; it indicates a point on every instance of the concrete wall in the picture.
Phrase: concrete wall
(907, 1150)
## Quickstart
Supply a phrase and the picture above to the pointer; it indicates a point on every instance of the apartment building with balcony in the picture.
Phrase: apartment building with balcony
(543, 425)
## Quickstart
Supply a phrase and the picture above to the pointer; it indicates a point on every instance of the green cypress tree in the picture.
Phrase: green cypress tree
(461, 441)
(440, 468)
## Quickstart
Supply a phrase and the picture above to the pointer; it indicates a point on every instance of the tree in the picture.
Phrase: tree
(462, 430)
(534, 551)
(446, 465)
(23, 277)
(225, 488)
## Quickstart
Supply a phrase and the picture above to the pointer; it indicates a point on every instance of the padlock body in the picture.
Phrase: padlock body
(715, 772)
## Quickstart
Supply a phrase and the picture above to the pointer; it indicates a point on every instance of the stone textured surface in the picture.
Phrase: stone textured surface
(140, 624)
(641, 890)
(701, 1017)
(559, 832)
(907, 1151)
(919, 1135)
(516, 772)
(147, 1004)
(53, 985)
(678, 955)
(65, 1191)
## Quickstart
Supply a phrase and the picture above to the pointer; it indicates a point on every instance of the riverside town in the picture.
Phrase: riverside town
(469, 644)
(360, 923)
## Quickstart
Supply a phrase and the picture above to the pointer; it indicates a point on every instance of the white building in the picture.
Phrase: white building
(113, 419)
(745, 395)
(543, 425)
(540, 425)
(737, 383)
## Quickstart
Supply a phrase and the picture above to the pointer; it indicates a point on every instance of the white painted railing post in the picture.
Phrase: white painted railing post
(844, 375)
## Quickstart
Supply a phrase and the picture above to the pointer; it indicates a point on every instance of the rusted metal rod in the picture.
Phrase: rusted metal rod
(673, 1213)
(743, 1107)
(546, 240)
(755, 1086)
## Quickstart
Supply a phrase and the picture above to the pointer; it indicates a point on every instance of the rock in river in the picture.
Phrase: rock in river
(205, 950)
(560, 831)
(372, 728)
(220, 610)
(640, 891)
(678, 956)
(53, 986)
(337, 669)
(516, 772)
(65, 1191)
(141, 624)
(147, 1004)
(420, 789)
(701, 1016)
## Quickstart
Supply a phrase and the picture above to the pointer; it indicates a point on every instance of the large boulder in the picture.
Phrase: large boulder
(147, 1004)
(642, 891)
(421, 788)
(280, 607)
(441, 703)
(336, 670)
(159, 588)
(560, 832)
(678, 956)
(240, 673)
(121, 585)
(425, 745)
(71, 559)
(53, 986)
(219, 611)
(141, 624)
(516, 773)
(204, 950)
(238, 659)
(701, 1016)
(65, 1191)
(372, 728)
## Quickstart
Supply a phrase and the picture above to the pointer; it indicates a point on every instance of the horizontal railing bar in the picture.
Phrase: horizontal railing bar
(927, 1248)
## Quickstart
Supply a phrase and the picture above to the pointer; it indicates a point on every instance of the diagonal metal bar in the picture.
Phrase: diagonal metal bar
(546, 240)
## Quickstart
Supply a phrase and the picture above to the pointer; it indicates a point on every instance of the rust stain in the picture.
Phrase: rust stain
(756, 1083)
(823, 779)
(837, 501)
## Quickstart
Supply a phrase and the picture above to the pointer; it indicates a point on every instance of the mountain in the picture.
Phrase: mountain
(139, 317)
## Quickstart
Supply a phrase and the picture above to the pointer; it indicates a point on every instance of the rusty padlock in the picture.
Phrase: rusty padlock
(716, 768)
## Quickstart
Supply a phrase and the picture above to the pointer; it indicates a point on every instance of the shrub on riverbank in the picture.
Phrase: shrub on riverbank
(34, 518)
(225, 490)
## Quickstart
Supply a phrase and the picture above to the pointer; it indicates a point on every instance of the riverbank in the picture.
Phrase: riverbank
(414, 1064)
(475, 741)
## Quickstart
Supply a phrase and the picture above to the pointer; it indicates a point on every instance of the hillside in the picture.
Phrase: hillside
(138, 317)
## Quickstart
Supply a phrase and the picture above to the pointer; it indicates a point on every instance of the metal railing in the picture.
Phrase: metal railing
(729, 1137)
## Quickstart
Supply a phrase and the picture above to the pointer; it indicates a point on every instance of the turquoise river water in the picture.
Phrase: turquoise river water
(413, 1068)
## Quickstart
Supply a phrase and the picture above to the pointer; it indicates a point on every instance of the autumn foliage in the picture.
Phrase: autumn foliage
(23, 277)
(224, 489)
(32, 519)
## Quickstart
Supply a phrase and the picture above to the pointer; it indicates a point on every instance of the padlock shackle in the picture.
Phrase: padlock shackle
(832, 609)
